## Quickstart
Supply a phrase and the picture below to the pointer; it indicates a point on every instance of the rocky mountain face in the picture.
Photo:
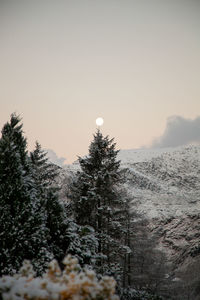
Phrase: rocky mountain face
(164, 186)
(166, 183)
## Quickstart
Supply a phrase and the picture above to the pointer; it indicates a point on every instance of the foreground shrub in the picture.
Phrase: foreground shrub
(73, 283)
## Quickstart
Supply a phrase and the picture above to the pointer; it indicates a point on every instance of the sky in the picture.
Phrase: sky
(136, 63)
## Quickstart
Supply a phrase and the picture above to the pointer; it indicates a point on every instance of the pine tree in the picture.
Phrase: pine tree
(65, 236)
(45, 174)
(22, 216)
(83, 244)
(97, 198)
(45, 171)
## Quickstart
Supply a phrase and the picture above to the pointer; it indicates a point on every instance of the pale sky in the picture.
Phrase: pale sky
(64, 63)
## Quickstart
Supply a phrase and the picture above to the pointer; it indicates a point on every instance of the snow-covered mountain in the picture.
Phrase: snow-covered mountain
(164, 185)
(164, 182)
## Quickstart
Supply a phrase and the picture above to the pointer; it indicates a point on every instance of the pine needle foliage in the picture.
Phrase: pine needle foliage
(98, 200)
(45, 174)
(22, 217)
(45, 171)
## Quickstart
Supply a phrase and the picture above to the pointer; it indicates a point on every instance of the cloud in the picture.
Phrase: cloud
(179, 131)
(54, 158)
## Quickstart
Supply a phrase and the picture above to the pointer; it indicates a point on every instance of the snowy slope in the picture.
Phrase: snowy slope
(164, 182)
(165, 188)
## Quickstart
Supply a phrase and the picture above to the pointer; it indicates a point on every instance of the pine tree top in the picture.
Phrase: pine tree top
(12, 132)
(46, 172)
(102, 155)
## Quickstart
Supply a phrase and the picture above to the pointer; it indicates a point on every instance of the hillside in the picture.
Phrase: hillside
(165, 187)
(163, 183)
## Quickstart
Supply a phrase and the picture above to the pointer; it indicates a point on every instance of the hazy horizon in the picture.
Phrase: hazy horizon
(134, 63)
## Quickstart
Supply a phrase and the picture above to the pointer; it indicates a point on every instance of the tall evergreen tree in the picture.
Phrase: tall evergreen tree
(65, 236)
(22, 216)
(97, 199)
(45, 174)
(45, 171)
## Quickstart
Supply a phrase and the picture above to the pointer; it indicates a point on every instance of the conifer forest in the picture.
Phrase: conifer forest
(94, 245)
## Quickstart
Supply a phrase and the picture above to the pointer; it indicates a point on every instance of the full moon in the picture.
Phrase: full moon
(99, 121)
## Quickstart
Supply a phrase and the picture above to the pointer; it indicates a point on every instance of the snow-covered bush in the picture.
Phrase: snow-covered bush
(73, 283)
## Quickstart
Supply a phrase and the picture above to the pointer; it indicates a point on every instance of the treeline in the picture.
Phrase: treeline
(98, 225)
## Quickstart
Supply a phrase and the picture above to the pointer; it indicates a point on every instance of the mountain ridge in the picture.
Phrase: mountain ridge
(162, 182)
(164, 185)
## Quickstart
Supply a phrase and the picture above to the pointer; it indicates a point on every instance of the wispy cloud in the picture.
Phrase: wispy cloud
(179, 131)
